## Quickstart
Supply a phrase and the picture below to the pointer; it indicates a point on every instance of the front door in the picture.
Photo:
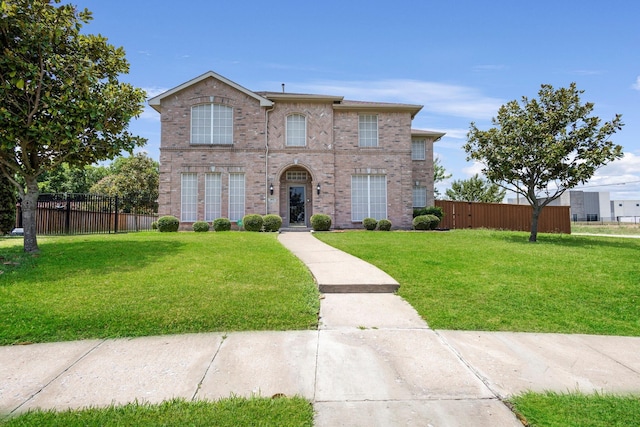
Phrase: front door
(296, 206)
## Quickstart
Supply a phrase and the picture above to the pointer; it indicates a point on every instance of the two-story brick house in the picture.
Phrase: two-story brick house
(227, 151)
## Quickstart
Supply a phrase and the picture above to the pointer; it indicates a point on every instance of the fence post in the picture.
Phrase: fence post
(67, 214)
(115, 222)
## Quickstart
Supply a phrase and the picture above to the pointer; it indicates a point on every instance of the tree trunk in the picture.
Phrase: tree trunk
(29, 206)
(533, 237)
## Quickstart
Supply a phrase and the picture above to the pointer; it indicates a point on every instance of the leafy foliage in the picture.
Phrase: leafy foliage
(439, 174)
(221, 224)
(544, 147)
(384, 225)
(252, 222)
(430, 210)
(67, 179)
(135, 179)
(425, 222)
(7, 206)
(370, 223)
(271, 222)
(60, 98)
(200, 226)
(168, 224)
(475, 189)
(320, 222)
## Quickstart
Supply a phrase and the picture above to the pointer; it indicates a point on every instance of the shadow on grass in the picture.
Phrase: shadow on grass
(70, 257)
(572, 241)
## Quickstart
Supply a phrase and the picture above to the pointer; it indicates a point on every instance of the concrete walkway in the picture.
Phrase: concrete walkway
(373, 362)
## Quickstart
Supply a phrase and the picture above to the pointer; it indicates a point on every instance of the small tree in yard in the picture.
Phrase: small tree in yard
(60, 98)
(475, 189)
(544, 147)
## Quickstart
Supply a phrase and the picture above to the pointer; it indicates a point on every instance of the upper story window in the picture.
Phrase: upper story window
(296, 130)
(368, 130)
(418, 147)
(211, 124)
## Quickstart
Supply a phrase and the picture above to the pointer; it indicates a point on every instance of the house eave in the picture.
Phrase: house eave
(300, 97)
(378, 106)
(156, 101)
(427, 134)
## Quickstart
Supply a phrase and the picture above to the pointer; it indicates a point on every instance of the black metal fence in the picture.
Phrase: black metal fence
(90, 214)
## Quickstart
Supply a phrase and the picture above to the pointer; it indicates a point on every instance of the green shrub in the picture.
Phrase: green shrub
(221, 224)
(200, 226)
(271, 222)
(320, 222)
(252, 222)
(370, 223)
(168, 223)
(384, 225)
(431, 210)
(425, 222)
(154, 225)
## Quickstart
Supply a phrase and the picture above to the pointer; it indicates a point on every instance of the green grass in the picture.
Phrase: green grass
(626, 229)
(230, 412)
(141, 284)
(498, 281)
(576, 409)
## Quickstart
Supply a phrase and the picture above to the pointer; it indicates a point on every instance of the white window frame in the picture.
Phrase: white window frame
(418, 149)
(296, 130)
(419, 196)
(211, 124)
(367, 130)
(368, 197)
(236, 196)
(212, 196)
(189, 197)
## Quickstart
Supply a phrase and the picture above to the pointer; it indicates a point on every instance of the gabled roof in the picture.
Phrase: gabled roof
(304, 97)
(377, 106)
(155, 101)
(428, 133)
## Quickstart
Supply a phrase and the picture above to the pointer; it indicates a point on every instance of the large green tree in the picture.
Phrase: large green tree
(7, 206)
(67, 179)
(540, 148)
(60, 97)
(475, 189)
(134, 179)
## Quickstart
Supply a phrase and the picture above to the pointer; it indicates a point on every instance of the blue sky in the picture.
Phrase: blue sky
(460, 59)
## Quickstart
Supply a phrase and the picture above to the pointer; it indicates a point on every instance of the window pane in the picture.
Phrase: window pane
(419, 197)
(189, 197)
(212, 199)
(236, 196)
(368, 197)
(368, 130)
(296, 130)
(417, 150)
(211, 124)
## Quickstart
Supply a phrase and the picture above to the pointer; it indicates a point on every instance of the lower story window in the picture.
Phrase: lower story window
(368, 197)
(189, 197)
(419, 197)
(236, 196)
(212, 196)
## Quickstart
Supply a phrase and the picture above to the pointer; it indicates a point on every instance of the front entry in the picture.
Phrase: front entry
(297, 214)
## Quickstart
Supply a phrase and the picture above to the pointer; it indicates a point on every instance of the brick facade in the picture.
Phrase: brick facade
(328, 161)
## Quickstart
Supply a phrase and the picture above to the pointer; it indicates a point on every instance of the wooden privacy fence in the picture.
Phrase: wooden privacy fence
(553, 219)
(87, 214)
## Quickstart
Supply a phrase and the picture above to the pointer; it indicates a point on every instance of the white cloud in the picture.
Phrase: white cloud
(636, 85)
(440, 98)
(621, 178)
(475, 168)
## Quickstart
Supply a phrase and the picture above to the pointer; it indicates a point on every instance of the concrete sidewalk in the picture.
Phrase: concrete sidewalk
(373, 362)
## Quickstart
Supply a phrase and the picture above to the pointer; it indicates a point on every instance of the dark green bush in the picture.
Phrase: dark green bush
(425, 222)
(154, 225)
(431, 210)
(271, 222)
(252, 222)
(200, 226)
(221, 224)
(168, 223)
(384, 225)
(370, 223)
(321, 222)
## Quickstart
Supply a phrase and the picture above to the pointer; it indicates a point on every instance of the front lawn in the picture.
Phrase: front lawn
(231, 412)
(498, 281)
(104, 286)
